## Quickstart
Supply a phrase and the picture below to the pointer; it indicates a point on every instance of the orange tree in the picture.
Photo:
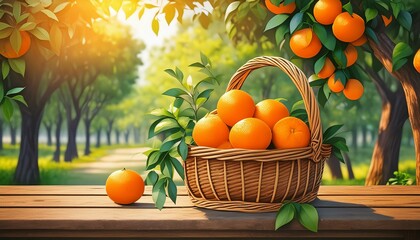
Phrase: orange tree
(34, 36)
(329, 35)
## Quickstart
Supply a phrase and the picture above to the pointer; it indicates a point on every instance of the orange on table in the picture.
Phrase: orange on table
(335, 85)
(234, 106)
(327, 70)
(270, 111)
(325, 11)
(359, 42)
(7, 50)
(416, 61)
(348, 28)
(124, 186)
(305, 43)
(280, 9)
(351, 55)
(250, 133)
(291, 132)
(210, 131)
(386, 20)
(353, 90)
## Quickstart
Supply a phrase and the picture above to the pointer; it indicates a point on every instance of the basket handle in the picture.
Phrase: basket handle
(302, 84)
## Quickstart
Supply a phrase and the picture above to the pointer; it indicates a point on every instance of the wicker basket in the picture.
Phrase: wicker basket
(259, 180)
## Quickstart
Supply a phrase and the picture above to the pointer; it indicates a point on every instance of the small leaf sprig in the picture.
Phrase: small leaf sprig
(175, 125)
(400, 178)
(338, 143)
(306, 214)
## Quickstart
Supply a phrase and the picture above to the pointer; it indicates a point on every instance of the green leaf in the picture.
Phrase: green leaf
(335, 139)
(152, 178)
(405, 19)
(4, 26)
(341, 145)
(7, 108)
(339, 75)
(18, 65)
(183, 149)
(281, 31)
(27, 26)
(175, 92)
(296, 21)
(337, 153)
(317, 83)
(307, 6)
(158, 193)
(297, 105)
(320, 31)
(14, 91)
(165, 124)
(160, 112)
(153, 126)
(370, 13)
(155, 26)
(232, 7)
(172, 191)
(331, 131)
(371, 34)
(178, 167)
(348, 7)
(17, 9)
(19, 98)
(330, 42)
(400, 55)
(275, 21)
(153, 160)
(179, 74)
(340, 58)
(171, 72)
(5, 69)
(41, 33)
(284, 215)
(1, 91)
(396, 8)
(50, 14)
(16, 40)
(60, 7)
(166, 167)
(169, 142)
(319, 64)
(322, 98)
(308, 217)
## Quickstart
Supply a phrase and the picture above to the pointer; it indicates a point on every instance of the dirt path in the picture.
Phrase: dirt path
(96, 173)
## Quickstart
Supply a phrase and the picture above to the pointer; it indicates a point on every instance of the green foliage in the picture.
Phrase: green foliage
(401, 178)
(174, 126)
(338, 143)
(306, 214)
(400, 55)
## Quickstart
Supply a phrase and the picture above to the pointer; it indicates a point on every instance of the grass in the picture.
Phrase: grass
(50, 172)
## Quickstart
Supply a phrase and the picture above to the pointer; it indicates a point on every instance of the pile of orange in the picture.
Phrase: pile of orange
(240, 123)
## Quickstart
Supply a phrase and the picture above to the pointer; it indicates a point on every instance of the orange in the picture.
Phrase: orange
(386, 20)
(348, 28)
(250, 133)
(325, 11)
(280, 9)
(270, 111)
(305, 43)
(359, 42)
(8, 51)
(291, 132)
(327, 70)
(225, 145)
(210, 131)
(124, 186)
(335, 85)
(351, 55)
(416, 61)
(234, 106)
(353, 90)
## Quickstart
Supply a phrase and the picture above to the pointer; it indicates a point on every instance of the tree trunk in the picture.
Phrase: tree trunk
(98, 138)
(136, 135)
(108, 132)
(410, 81)
(48, 128)
(348, 165)
(71, 149)
(57, 151)
(27, 171)
(364, 135)
(127, 136)
(335, 168)
(13, 131)
(387, 148)
(87, 141)
(117, 136)
(1, 134)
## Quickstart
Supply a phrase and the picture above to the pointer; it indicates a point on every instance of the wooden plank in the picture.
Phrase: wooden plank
(47, 201)
(199, 219)
(99, 190)
(248, 234)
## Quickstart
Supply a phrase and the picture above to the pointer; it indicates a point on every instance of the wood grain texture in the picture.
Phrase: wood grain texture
(85, 211)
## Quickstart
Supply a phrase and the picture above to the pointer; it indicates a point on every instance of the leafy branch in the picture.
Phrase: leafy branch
(175, 126)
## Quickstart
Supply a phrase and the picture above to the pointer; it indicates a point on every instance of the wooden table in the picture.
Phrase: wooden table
(85, 211)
